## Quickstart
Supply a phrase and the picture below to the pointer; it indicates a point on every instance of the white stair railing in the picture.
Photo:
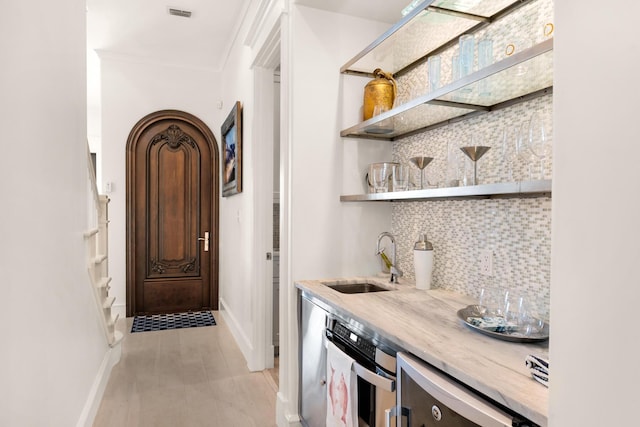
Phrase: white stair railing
(97, 239)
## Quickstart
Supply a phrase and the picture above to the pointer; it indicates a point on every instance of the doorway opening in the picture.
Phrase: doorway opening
(276, 226)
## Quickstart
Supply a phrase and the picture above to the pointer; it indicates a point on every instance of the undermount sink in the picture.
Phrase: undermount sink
(356, 288)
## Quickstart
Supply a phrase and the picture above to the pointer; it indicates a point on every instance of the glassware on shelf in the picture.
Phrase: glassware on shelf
(383, 126)
(433, 65)
(485, 58)
(433, 177)
(400, 177)
(421, 162)
(509, 150)
(525, 155)
(539, 142)
(467, 54)
(379, 174)
(474, 153)
(455, 68)
(485, 52)
(454, 166)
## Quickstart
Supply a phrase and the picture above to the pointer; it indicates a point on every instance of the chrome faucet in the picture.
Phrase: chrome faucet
(395, 271)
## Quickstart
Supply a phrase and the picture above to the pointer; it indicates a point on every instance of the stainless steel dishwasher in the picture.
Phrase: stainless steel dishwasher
(374, 364)
(313, 362)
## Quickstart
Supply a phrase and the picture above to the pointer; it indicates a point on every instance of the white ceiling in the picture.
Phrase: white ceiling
(143, 28)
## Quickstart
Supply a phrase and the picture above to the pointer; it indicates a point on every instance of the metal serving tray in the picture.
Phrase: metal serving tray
(471, 311)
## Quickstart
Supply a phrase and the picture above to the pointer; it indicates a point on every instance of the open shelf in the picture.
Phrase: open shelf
(519, 77)
(537, 188)
(438, 23)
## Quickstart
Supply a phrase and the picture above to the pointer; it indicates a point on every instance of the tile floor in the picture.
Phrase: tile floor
(185, 377)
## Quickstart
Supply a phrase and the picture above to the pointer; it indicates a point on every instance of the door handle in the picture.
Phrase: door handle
(393, 412)
(373, 378)
(205, 239)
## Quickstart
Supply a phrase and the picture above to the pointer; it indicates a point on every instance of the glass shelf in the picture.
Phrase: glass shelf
(526, 74)
(431, 27)
(538, 188)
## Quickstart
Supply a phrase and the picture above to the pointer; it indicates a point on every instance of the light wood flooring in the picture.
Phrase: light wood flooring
(185, 377)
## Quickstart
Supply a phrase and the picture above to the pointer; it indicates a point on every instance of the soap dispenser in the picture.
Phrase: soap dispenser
(423, 262)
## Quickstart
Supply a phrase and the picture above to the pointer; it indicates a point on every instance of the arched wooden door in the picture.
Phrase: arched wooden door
(172, 215)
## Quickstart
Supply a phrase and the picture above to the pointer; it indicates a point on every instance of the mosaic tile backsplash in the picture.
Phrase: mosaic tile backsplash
(517, 231)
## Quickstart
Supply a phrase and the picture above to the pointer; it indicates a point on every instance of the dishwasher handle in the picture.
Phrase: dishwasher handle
(386, 384)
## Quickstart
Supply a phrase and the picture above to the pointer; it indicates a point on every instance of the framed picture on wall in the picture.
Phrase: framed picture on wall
(232, 152)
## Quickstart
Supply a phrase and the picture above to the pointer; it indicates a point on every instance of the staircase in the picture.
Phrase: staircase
(97, 238)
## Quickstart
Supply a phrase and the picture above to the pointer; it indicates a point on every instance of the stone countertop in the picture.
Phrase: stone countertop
(425, 323)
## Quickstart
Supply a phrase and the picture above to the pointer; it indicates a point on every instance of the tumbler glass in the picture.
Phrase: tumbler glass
(379, 174)
(400, 177)
(467, 51)
(455, 68)
(515, 311)
(485, 52)
(433, 64)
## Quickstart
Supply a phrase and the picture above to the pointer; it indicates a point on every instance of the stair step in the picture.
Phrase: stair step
(104, 283)
(116, 338)
(108, 302)
(90, 233)
(111, 321)
(99, 259)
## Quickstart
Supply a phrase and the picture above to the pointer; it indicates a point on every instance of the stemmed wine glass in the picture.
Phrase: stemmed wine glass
(524, 150)
(539, 141)
(509, 151)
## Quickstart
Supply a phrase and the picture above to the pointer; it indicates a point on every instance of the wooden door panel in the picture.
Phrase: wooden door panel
(174, 219)
(172, 196)
(165, 296)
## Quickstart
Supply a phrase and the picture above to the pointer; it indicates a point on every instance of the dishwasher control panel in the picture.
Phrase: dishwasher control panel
(354, 340)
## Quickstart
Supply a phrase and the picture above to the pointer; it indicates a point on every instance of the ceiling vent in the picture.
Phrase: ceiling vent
(178, 12)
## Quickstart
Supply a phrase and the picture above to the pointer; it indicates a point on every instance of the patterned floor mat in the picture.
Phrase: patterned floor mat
(161, 322)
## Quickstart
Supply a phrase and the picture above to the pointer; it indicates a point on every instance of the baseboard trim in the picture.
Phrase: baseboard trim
(91, 406)
(238, 334)
(283, 417)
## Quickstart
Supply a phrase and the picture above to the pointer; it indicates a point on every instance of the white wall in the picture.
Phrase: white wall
(318, 43)
(595, 281)
(53, 345)
(131, 89)
(237, 234)
(330, 238)
(323, 238)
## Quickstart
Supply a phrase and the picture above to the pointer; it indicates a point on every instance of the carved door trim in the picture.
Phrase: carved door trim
(173, 130)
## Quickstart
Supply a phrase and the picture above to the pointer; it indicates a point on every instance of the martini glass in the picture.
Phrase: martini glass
(475, 152)
(421, 163)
